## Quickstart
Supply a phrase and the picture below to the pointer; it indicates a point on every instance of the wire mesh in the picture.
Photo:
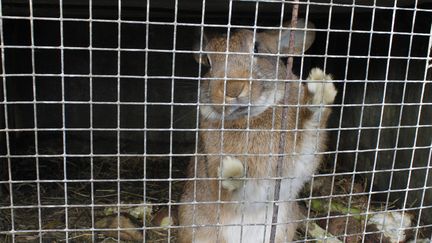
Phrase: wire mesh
(106, 134)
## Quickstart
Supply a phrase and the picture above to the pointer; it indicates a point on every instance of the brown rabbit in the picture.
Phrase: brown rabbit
(235, 205)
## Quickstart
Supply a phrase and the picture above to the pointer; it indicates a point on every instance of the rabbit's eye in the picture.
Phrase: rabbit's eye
(207, 60)
(256, 47)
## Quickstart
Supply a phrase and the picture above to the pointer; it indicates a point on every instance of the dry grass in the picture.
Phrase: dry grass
(345, 195)
(78, 195)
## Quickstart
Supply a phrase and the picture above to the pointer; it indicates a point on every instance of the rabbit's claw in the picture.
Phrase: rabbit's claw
(322, 89)
(231, 169)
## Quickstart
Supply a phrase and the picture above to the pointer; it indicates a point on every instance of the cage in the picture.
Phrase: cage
(100, 117)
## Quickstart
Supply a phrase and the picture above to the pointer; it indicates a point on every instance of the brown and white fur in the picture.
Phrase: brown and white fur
(248, 178)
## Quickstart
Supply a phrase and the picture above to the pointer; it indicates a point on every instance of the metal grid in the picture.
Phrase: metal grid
(13, 231)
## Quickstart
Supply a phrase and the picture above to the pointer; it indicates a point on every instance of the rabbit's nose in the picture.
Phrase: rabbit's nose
(235, 88)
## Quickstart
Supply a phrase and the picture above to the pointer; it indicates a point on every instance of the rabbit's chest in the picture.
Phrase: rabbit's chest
(260, 191)
(241, 142)
(256, 213)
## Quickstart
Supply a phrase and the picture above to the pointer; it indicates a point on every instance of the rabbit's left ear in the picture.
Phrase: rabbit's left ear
(302, 36)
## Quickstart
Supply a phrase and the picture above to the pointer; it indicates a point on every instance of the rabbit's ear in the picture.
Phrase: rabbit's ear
(299, 37)
(202, 58)
(272, 37)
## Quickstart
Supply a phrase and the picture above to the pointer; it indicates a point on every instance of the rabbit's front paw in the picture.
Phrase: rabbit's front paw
(232, 168)
(323, 91)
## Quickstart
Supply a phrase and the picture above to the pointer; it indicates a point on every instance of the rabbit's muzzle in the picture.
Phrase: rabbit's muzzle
(235, 89)
(233, 96)
(236, 98)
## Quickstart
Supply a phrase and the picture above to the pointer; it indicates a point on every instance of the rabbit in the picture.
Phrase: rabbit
(235, 204)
